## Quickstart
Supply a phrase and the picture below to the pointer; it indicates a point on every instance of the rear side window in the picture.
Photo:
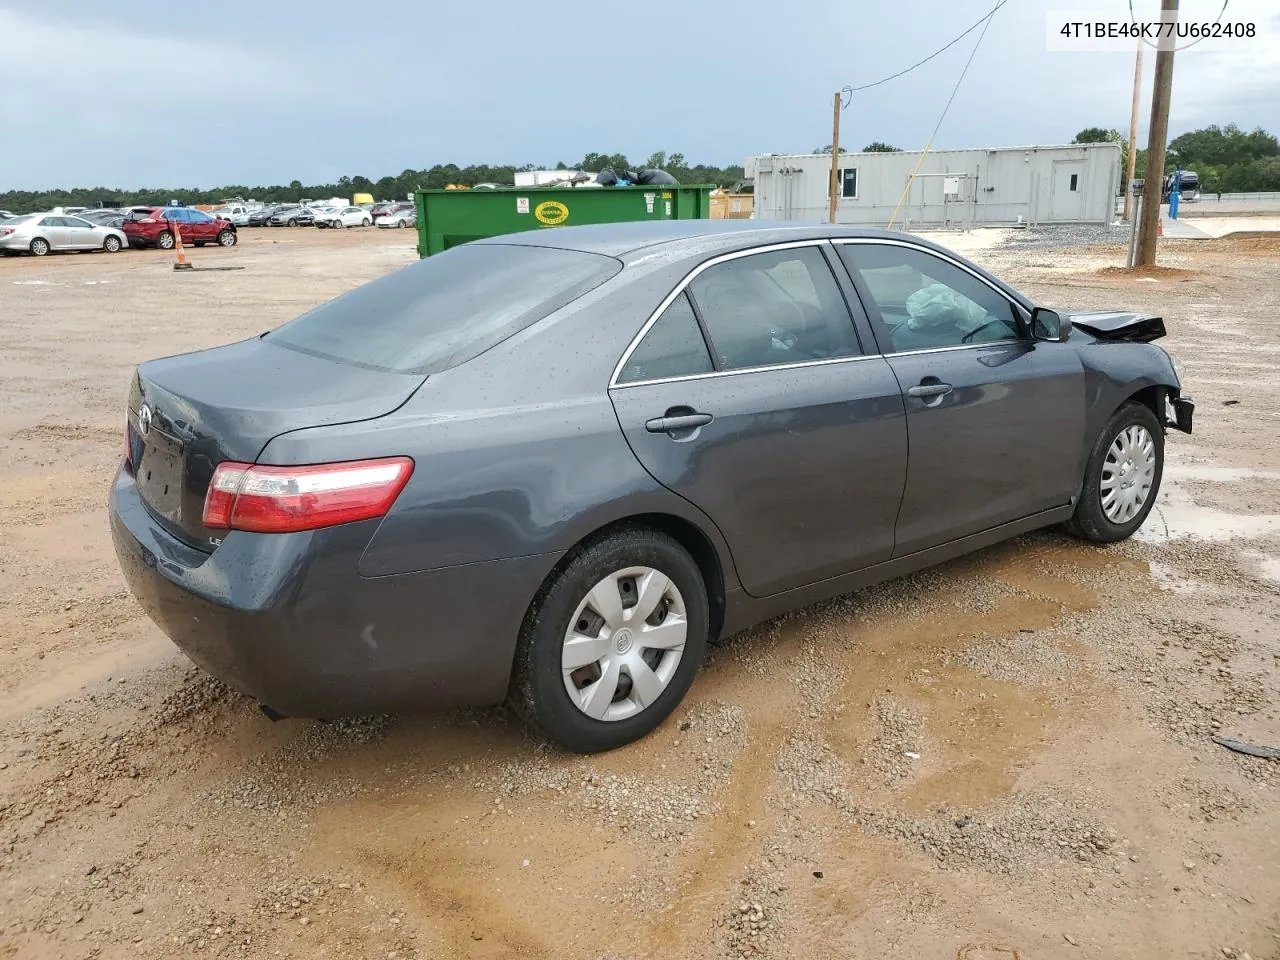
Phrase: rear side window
(446, 309)
(673, 347)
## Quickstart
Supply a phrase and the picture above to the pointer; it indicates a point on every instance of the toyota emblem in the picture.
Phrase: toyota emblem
(144, 420)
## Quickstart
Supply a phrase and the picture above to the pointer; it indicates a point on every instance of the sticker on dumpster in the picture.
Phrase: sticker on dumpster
(551, 212)
(668, 208)
(522, 204)
(666, 196)
(648, 202)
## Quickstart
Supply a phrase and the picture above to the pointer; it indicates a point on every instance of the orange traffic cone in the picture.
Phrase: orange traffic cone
(182, 263)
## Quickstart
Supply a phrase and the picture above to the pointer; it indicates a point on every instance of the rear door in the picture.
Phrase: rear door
(57, 231)
(749, 394)
(995, 420)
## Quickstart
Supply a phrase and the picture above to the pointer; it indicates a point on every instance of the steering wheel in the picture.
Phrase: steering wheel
(973, 333)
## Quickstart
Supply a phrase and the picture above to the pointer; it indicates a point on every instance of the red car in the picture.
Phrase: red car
(154, 227)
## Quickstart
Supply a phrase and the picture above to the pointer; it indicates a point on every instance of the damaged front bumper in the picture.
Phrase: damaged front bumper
(1178, 412)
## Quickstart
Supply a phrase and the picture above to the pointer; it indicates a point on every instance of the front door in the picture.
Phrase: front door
(995, 420)
(751, 397)
(1066, 198)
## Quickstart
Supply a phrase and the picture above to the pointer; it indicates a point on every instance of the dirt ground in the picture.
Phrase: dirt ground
(1006, 757)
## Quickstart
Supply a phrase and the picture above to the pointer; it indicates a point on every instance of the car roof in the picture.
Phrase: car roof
(692, 236)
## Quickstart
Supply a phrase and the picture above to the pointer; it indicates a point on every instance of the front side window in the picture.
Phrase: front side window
(446, 309)
(925, 302)
(765, 309)
(198, 216)
(673, 347)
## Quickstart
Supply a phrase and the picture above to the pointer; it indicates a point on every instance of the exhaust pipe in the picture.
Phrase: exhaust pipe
(271, 714)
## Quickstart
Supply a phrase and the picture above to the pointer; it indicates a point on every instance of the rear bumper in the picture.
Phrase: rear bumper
(288, 620)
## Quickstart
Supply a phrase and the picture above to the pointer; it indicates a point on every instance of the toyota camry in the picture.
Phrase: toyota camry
(551, 467)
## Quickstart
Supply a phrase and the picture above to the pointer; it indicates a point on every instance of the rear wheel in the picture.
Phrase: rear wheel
(227, 238)
(111, 244)
(165, 240)
(366, 222)
(39, 246)
(612, 642)
(1122, 477)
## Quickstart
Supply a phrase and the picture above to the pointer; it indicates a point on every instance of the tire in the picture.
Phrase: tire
(1128, 450)
(337, 224)
(39, 247)
(164, 240)
(112, 244)
(639, 563)
(292, 222)
(228, 238)
(366, 222)
(399, 224)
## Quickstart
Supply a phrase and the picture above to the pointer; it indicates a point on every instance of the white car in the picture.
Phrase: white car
(40, 233)
(339, 217)
(401, 218)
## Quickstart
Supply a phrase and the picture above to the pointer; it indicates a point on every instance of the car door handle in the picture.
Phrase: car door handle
(927, 390)
(687, 421)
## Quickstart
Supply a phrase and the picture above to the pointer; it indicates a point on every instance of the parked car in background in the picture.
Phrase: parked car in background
(39, 234)
(5, 214)
(73, 211)
(106, 218)
(723, 439)
(388, 209)
(399, 219)
(237, 214)
(293, 216)
(261, 216)
(339, 217)
(155, 227)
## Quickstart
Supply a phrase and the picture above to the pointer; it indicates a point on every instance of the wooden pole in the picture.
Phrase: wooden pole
(835, 158)
(1156, 141)
(1133, 131)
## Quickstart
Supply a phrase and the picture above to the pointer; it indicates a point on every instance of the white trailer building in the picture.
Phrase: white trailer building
(1077, 183)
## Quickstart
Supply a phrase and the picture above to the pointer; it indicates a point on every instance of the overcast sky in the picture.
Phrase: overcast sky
(157, 93)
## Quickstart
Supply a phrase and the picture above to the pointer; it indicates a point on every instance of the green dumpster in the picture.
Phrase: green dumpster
(447, 218)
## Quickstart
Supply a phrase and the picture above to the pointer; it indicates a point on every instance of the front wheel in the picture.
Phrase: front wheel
(337, 224)
(612, 642)
(111, 244)
(227, 238)
(292, 222)
(1122, 477)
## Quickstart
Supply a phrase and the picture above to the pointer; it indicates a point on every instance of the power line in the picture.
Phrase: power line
(943, 116)
(985, 19)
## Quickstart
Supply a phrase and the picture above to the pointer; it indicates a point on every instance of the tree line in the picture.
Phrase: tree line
(1227, 159)
(386, 188)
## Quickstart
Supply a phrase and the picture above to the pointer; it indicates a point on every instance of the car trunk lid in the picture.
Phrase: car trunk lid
(191, 412)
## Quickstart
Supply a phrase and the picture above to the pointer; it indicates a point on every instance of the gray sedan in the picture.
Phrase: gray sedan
(552, 467)
(39, 234)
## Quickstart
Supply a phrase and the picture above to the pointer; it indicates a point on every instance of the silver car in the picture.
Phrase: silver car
(400, 219)
(39, 233)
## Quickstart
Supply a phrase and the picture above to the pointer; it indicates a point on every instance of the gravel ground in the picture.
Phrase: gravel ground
(1007, 756)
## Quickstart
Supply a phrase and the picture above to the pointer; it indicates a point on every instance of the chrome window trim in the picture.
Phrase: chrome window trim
(711, 374)
(680, 288)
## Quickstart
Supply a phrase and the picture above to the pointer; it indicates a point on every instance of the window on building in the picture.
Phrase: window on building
(1075, 181)
(849, 183)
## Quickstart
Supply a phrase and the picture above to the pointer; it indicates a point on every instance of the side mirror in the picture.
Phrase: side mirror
(1049, 325)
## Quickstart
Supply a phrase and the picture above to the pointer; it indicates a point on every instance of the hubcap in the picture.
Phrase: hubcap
(1128, 473)
(624, 643)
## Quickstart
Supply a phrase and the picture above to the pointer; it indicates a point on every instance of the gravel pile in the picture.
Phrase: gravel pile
(662, 808)
(1059, 235)
(1032, 657)
(899, 732)
(1206, 800)
(1020, 833)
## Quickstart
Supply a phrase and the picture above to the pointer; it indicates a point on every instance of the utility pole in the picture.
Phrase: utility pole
(1157, 139)
(835, 157)
(1133, 132)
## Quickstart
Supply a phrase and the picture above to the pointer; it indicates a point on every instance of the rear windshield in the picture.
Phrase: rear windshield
(446, 309)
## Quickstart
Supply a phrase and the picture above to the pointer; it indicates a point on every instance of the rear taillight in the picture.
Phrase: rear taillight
(261, 498)
(5, 231)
